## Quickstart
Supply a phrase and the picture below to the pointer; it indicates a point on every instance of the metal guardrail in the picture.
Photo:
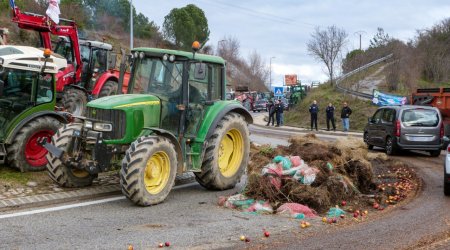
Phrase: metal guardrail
(356, 93)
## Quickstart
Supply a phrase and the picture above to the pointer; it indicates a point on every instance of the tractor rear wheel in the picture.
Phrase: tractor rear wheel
(74, 101)
(64, 175)
(148, 170)
(227, 154)
(110, 88)
(25, 153)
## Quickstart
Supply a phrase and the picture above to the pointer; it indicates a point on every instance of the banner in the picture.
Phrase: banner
(53, 10)
(382, 99)
(290, 80)
(12, 4)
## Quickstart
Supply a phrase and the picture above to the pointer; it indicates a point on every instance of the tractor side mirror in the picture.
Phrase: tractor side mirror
(2, 87)
(200, 71)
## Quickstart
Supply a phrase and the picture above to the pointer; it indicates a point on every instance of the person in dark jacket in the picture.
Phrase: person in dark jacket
(345, 115)
(278, 112)
(271, 108)
(313, 110)
(330, 116)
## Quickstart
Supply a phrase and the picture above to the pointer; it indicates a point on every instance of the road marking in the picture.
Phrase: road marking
(82, 204)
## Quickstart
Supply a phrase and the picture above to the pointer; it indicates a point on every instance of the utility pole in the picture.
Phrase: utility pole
(360, 32)
(131, 24)
(270, 73)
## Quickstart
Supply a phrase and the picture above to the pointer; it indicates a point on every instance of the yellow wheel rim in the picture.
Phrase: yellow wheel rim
(231, 152)
(156, 173)
(79, 173)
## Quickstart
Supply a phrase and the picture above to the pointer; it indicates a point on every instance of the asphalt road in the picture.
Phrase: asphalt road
(190, 218)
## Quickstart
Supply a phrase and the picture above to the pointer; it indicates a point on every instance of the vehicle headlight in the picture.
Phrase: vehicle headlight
(100, 126)
(88, 124)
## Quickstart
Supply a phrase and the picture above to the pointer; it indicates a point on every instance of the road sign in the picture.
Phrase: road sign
(278, 91)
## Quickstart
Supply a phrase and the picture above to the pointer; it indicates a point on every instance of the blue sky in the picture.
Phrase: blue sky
(282, 28)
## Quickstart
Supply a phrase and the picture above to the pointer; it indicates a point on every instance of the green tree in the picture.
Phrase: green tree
(184, 25)
(380, 39)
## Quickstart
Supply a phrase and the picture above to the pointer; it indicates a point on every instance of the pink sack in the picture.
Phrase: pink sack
(295, 208)
(296, 161)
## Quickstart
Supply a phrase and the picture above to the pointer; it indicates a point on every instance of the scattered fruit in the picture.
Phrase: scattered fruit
(242, 237)
(342, 216)
(247, 239)
(130, 247)
(161, 245)
(266, 234)
(376, 205)
(355, 215)
(167, 244)
(324, 219)
(334, 220)
(366, 212)
(344, 203)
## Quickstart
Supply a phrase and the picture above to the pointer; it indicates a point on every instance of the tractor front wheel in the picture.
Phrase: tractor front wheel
(227, 154)
(74, 101)
(110, 88)
(148, 170)
(25, 153)
(62, 174)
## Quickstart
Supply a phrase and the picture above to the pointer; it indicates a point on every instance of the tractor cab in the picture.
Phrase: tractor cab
(96, 58)
(181, 83)
(24, 86)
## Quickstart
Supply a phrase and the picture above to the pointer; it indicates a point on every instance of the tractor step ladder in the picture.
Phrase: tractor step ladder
(2, 153)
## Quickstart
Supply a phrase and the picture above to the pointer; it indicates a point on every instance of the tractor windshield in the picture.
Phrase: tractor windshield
(21, 90)
(157, 77)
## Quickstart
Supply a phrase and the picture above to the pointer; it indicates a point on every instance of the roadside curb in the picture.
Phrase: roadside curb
(305, 131)
(73, 195)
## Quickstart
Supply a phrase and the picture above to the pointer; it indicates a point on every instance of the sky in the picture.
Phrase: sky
(281, 29)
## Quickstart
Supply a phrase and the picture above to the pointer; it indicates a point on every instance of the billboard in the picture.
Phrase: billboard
(290, 80)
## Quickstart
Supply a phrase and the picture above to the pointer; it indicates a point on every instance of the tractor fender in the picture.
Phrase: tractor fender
(105, 76)
(172, 138)
(60, 117)
(75, 86)
(210, 126)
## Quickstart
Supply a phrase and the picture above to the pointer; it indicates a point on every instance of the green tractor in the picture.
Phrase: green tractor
(27, 104)
(174, 119)
(296, 93)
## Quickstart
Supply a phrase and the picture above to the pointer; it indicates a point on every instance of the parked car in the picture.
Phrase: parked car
(447, 173)
(260, 105)
(406, 127)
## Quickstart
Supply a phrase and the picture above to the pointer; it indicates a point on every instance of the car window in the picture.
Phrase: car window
(388, 116)
(420, 118)
(377, 116)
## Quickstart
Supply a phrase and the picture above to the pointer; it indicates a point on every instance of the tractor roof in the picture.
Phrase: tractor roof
(29, 58)
(96, 44)
(190, 55)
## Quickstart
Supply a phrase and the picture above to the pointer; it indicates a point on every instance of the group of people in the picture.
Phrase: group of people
(275, 111)
(345, 116)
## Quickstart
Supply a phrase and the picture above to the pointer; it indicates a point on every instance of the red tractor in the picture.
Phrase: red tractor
(90, 71)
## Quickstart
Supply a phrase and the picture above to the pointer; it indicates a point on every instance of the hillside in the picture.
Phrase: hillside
(300, 117)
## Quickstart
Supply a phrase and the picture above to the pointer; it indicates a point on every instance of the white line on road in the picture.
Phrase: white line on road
(82, 204)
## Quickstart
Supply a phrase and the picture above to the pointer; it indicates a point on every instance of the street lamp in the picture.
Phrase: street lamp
(360, 32)
(270, 73)
(218, 44)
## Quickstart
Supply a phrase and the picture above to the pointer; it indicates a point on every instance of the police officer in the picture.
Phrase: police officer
(313, 110)
(330, 116)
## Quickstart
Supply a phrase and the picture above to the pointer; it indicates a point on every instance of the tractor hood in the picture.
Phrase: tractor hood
(124, 101)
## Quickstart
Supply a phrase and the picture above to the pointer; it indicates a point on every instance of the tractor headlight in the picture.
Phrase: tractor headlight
(171, 58)
(104, 127)
(88, 124)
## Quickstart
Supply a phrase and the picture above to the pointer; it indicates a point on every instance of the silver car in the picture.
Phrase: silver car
(407, 127)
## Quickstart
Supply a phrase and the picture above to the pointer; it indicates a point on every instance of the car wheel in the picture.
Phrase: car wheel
(366, 140)
(446, 186)
(435, 153)
(391, 147)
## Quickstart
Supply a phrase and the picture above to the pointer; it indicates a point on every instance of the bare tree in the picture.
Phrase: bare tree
(325, 45)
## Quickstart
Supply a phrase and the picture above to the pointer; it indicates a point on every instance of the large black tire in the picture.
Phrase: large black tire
(74, 101)
(212, 176)
(25, 153)
(60, 173)
(135, 174)
(109, 88)
(391, 146)
(366, 140)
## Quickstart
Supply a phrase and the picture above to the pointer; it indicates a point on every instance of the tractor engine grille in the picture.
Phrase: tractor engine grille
(116, 117)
